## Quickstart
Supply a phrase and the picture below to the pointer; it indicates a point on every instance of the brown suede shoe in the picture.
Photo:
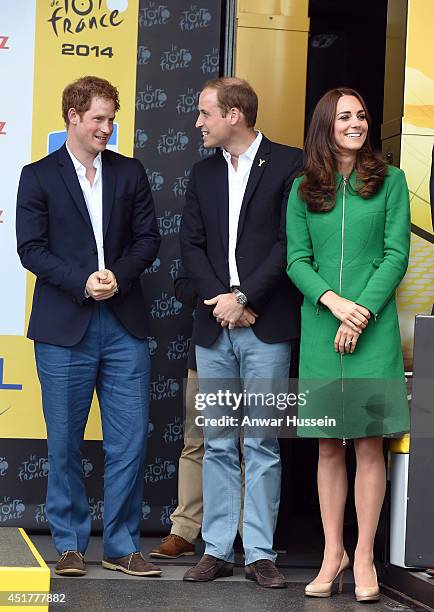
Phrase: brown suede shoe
(266, 574)
(172, 547)
(209, 568)
(71, 563)
(133, 564)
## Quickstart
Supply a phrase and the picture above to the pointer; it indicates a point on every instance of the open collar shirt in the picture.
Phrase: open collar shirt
(237, 182)
(93, 198)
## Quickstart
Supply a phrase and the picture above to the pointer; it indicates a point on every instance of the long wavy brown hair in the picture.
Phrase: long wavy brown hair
(318, 187)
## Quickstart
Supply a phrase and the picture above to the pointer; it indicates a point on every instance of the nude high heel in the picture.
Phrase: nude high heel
(324, 589)
(368, 593)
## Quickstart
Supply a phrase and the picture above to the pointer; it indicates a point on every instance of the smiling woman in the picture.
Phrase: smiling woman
(351, 126)
(348, 236)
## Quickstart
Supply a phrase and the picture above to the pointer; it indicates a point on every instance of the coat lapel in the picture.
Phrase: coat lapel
(222, 198)
(108, 189)
(260, 163)
(70, 178)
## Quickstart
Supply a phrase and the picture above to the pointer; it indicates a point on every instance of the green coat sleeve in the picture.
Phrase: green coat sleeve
(299, 250)
(383, 282)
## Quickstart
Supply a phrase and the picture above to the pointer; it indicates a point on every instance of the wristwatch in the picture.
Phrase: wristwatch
(239, 296)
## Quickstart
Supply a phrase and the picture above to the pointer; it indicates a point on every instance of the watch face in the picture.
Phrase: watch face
(241, 299)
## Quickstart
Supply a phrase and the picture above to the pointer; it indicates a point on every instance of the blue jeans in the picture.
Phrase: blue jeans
(238, 353)
(116, 364)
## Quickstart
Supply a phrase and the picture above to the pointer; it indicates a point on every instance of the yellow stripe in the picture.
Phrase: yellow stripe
(26, 579)
(33, 548)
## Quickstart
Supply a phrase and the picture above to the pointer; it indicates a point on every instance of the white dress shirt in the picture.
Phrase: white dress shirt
(93, 198)
(237, 181)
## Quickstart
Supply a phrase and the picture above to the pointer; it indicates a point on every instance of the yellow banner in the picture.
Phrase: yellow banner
(415, 295)
(72, 39)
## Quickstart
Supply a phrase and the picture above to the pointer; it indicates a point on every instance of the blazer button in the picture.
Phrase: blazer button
(94, 251)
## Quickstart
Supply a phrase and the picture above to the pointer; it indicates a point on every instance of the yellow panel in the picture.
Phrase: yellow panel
(76, 51)
(420, 39)
(275, 63)
(275, 22)
(69, 42)
(273, 7)
(400, 445)
(420, 214)
(29, 579)
(25, 608)
(271, 53)
(414, 295)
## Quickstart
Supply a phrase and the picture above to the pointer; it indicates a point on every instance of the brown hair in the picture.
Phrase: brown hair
(233, 92)
(318, 187)
(79, 95)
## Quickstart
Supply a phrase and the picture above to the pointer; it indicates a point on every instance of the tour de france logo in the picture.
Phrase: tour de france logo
(79, 17)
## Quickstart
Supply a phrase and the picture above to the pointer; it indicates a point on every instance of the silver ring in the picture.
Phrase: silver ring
(348, 343)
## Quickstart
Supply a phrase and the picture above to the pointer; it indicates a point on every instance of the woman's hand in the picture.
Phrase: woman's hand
(346, 339)
(356, 317)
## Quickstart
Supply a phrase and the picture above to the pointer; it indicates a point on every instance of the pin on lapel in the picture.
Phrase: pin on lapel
(261, 161)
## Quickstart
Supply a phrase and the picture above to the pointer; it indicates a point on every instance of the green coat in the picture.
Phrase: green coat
(359, 250)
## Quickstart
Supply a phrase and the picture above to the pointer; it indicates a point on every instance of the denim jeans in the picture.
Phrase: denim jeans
(239, 354)
(116, 364)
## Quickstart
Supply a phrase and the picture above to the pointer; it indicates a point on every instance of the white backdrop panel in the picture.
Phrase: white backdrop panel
(17, 24)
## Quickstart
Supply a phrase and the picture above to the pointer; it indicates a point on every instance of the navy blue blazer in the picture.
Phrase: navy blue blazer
(261, 242)
(55, 241)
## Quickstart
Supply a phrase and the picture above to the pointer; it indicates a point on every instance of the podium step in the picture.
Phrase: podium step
(24, 575)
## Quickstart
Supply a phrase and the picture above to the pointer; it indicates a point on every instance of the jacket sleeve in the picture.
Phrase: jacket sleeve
(258, 285)
(145, 242)
(185, 290)
(383, 282)
(300, 258)
(32, 239)
(194, 246)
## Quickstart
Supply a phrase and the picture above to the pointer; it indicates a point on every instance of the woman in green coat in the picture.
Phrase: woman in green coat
(348, 232)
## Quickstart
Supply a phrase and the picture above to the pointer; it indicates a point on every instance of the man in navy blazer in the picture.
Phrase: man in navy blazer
(86, 228)
(234, 249)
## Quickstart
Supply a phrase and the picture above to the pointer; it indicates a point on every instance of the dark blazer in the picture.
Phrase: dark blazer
(56, 242)
(261, 246)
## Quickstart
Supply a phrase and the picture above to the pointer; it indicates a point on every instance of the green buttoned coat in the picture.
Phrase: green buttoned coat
(359, 250)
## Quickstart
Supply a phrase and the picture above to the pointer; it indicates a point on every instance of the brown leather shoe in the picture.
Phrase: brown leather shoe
(172, 547)
(266, 574)
(71, 563)
(133, 564)
(209, 568)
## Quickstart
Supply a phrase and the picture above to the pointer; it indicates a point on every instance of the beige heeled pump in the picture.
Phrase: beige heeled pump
(368, 593)
(324, 589)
